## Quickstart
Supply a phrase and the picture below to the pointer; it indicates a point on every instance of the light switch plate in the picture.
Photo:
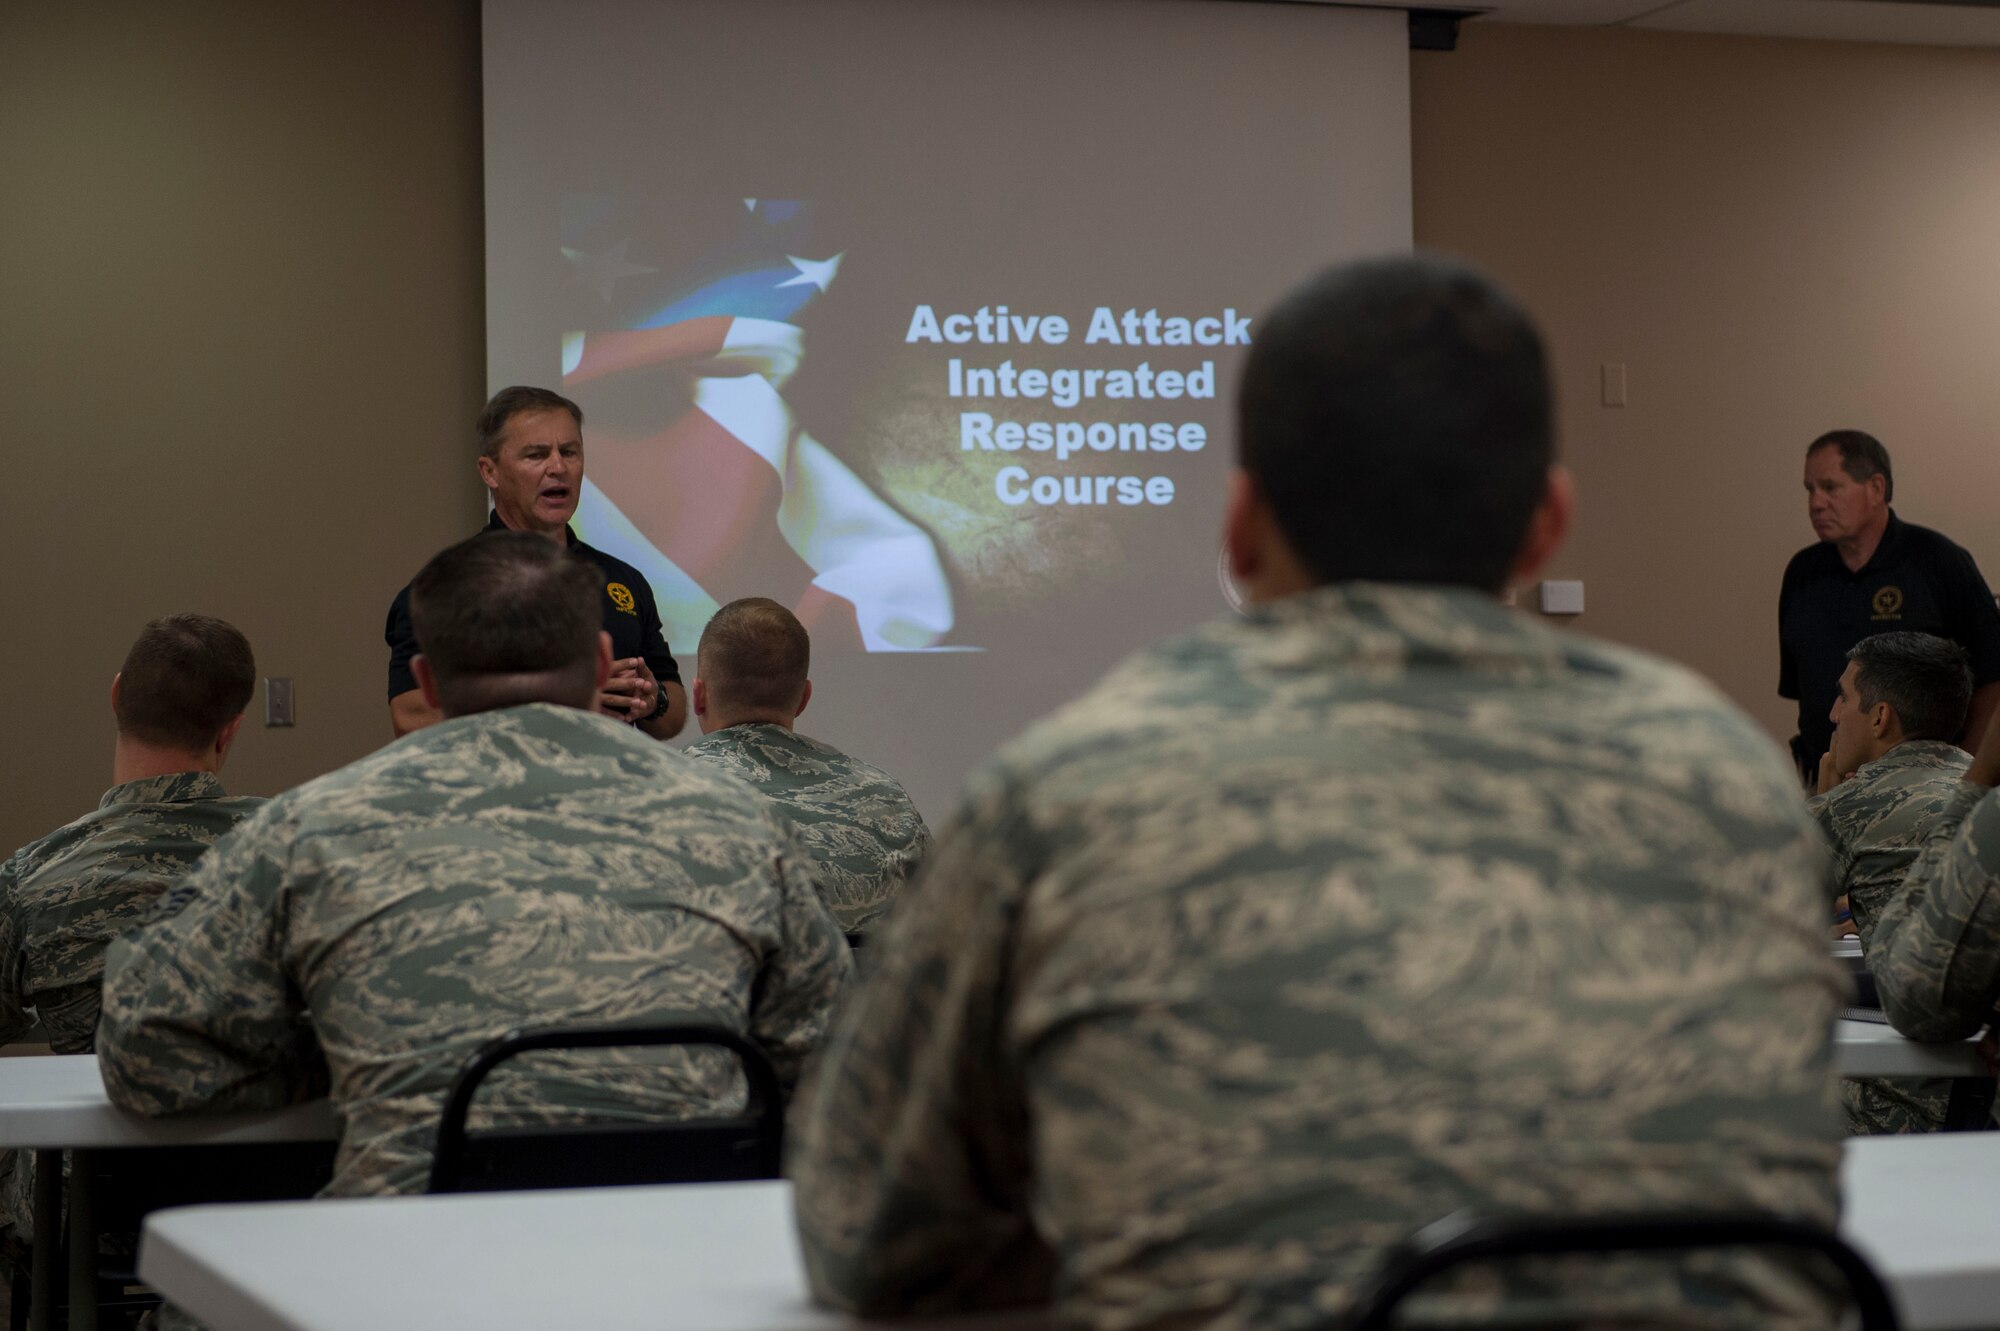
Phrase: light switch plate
(1612, 374)
(1562, 598)
(277, 701)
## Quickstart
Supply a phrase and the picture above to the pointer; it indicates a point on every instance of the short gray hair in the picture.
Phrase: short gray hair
(1861, 457)
(508, 403)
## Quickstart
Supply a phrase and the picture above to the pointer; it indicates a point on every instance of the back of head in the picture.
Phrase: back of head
(508, 618)
(508, 403)
(1395, 415)
(754, 657)
(1927, 679)
(185, 678)
(1861, 457)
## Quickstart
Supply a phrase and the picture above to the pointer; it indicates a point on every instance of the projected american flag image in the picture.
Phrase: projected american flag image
(686, 330)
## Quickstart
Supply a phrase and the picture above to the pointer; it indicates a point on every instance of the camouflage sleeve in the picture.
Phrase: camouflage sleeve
(911, 1163)
(1826, 810)
(1936, 957)
(14, 1019)
(198, 1014)
(796, 995)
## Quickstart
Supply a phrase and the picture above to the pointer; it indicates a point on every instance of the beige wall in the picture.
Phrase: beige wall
(240, 350)
(1778, 238)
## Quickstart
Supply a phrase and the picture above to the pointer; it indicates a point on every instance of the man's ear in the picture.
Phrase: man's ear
(804, 698)
(698, 696)
(114, 691)
(1548, 526)
(1243, 525)
(604, 659)
(489, 471)
(1880, 717)
(1262, 562)
(420, 668)
(226, 737)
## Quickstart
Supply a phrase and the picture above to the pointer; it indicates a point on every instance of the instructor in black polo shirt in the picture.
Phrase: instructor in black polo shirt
(531, 459)
(1870, 573)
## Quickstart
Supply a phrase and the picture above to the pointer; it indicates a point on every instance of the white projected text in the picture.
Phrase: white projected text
(1066, 387)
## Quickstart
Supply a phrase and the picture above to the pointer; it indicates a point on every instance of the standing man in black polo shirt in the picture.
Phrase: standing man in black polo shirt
(1870, 573)
(531, 459)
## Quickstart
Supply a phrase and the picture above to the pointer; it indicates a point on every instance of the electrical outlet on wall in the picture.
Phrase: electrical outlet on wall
(277, 701)
(1562, 598)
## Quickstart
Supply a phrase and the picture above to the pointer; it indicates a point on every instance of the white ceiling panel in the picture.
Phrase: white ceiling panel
(1841, 20)
(1919, 22)
(1578, 12)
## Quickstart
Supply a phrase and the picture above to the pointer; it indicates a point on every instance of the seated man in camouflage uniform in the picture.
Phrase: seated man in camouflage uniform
(1891, 768)
(526, 862)
(1326, 921)
(177, 702)
(1936, 954)
(865, 837)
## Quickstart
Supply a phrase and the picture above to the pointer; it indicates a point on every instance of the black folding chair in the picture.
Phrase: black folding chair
(112, 1190)
(712, 1150)
(1469, 1237)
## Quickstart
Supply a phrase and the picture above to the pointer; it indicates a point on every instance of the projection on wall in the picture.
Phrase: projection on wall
(923, 319)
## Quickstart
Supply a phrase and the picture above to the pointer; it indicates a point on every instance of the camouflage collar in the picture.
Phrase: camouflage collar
(1932, 753)
(548, 719)
(173, 788)
(755, 728)
(769, 732)
(1409, 621)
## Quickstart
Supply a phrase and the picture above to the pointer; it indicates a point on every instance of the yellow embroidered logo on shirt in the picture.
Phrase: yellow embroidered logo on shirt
(621, 596)
(1889, 603)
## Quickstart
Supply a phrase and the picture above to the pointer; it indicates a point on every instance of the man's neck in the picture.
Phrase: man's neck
(750, 719)
(1858, 549)
(1883, 750)
(495, 693)
(135, 760)
(513, 522)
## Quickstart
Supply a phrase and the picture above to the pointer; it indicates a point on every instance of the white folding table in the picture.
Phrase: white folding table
(1870, 1049)
(56, 1103)
(724, 1257)
(1921, 1208)
(695, 1257)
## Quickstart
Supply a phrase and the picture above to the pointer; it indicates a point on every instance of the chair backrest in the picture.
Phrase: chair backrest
(610, 1155)
(1469, 1237)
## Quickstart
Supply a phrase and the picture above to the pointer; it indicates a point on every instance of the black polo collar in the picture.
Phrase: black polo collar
(493, 523)
(1886, 550)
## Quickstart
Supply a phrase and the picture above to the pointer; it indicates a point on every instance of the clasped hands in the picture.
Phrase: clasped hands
(631, 693)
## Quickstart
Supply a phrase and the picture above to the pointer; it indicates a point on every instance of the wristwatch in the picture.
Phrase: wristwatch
(659, 705)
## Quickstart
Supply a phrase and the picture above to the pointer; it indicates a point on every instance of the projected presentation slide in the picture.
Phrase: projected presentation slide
(922, 319)
(780, 404)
